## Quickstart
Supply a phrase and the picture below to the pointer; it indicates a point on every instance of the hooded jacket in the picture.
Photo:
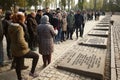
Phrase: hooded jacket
(45, 36)
(19, 46)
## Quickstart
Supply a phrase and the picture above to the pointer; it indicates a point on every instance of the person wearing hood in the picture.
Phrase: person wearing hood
(46, 34)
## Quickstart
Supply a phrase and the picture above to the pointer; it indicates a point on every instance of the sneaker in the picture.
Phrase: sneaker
(33, 75)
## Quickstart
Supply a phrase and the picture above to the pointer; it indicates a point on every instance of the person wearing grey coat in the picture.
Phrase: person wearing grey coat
(46, 34)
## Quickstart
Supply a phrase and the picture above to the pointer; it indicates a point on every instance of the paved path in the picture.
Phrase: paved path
(115, 61)
(60, 49)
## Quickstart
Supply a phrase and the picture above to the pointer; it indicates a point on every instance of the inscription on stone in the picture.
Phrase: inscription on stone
(98, 33)
(103, 25)
(96, 42)
(89, 61)
(90, 64)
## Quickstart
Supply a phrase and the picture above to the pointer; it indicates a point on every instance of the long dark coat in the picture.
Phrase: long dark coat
(32, 30)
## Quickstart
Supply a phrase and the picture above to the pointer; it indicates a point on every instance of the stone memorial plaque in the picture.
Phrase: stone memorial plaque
(95, 42)
(101, 28)
(103, 25)
(98, 33)
(89, 64)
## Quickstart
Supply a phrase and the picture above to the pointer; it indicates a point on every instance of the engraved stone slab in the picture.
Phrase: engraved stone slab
(98, 33)
(95, 42)
(101, 28)
(89, 64)
(103, 25)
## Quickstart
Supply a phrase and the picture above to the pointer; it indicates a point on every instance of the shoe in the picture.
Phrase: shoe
(24, 67)
(33, 75)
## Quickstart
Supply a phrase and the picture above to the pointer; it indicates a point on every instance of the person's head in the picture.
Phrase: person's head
(58, 10)
(14, 18)
(8, 15)
(18, 17)
(33, 14)
(40, 12)
(21, 17)
(78, 11)
(47, 9)
(44, 19)
(64, 14)
(0, 10)
(71, 12)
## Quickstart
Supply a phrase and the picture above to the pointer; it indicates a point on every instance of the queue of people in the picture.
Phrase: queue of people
(24, 33)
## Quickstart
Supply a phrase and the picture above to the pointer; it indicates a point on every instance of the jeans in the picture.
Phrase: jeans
(58, 36)
(63, 36)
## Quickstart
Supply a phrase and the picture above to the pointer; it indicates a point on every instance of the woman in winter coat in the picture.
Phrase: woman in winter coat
(19, 47)
(45, 39)
(64, 26)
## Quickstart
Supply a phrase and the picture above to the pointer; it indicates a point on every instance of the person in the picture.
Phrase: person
(1, 43)
(70, 24)
(64, 26)
(79, 21)
(59, 25)
(45, 39)
(48, 14)
(6, 22)
(19, 47)
(32, 30)
(21, 15)
(38, 16)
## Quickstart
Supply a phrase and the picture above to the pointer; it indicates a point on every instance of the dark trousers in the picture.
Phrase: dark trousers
(32, 42)
(8, 49)
(1, 53)
(69, 32)
(80, 28)
(32, 55)
(46, 58)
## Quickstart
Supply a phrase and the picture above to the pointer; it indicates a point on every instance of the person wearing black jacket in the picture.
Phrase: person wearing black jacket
(6, 22)
(1, 41)
(38, 16)
(32, 30)
(48, 14)
(79, 23)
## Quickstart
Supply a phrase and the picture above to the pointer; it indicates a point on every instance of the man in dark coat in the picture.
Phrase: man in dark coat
(79, 21)
(32, 30)
(6, 22)
(1, 43)
(38, 16)
(48, 14)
